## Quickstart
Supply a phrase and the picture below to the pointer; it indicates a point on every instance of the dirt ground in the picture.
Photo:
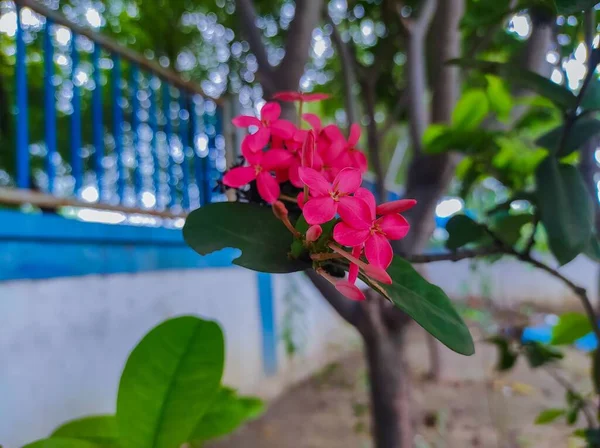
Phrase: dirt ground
(472, 406)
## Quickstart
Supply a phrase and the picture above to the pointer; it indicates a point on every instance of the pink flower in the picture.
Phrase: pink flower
(356, 158)
(298, 96)
(313, 233)
(349, 290)
(371, 231)
(329, 199)
(261, 163)
(269, 123)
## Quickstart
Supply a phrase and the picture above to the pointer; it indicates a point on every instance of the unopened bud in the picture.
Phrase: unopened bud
(313, 233)
(280, 210)
(308, 150)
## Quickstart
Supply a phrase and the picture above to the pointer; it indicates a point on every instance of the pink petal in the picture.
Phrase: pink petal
(354, 136)
(377, 273)
(355, 212)
(367, 196)
(334, 133)
(308, 150)
(237, 177)
(283, 128)
(244, 121)
(315, 181)
(282, 176)
(268, 188)
(293, 174)
(310, 97)
(260, 139)
(379, 251)
(319, 210)
(313, 233)
(252, 156)
(301, 200)
(395, 227)
(349, 236)
(360, 160)
(313, 120)
(288, 96)
(270, 112)
(399, 206)
(276, 159)
(353, 271)
(347, 181)
(349, 290)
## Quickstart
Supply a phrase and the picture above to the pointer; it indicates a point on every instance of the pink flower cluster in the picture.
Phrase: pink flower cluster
(328, 168)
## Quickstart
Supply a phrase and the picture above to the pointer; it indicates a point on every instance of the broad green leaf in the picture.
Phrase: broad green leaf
(574, 6)
(471, 110)
(251, 228)
(227, 412)
(507, 356)
(559, 95)
(463, 230)
(539, 354)
(548, 416)
(592, 250)
(169, 382)
(570, 327)
(61, 442)
(580, 133)
(428, 305)
(505, 206)
(99, 429)
(591, 99)
(565, 207)
(508, 227)
(499, 97)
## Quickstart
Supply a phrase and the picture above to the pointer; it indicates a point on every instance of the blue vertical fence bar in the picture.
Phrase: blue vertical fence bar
(97, 122)
(267, 318)
(168, 133)
(135, 128)
(49, 105)
(76, 160)
(184, 116)
(153, 144)
(117, 125)
(22, 117)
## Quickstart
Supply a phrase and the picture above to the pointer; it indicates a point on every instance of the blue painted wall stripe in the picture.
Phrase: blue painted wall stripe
(267, 317)
(97, 122)
(22, 116)
(76, 160)
(49, 105)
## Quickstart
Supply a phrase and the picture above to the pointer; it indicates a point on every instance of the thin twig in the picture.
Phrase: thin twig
(531, 242)
(571, 389)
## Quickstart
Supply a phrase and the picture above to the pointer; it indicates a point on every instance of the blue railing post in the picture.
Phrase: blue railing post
(49, 105)
(153, 144)
(97, 122)
(168, 133)
(22, 116)
(118, 124)
(184, 137)
(135, 122)
(76, 160)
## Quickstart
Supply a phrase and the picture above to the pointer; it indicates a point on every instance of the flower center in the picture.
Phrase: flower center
(375, 228)
(257, 169)
(336, 195)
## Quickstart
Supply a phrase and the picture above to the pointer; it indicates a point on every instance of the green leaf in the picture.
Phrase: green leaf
(566, 209)
(570, 327)
(499, 97)
(548, 416)
(428, 305)
(508, 227)
(538, 354)
(591, 99)
(99, 429)
(507, 356)
(471, 110)
(251, 228)
(168, 383)
(574, 6)
(61, 442)
(580, 133)
(462, 230)
(592, 250)
(473, 141)
(559, 95)
(226, 413)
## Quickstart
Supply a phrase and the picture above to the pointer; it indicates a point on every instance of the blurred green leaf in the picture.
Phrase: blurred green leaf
(566, 209)
(101, 430)
(169, 382)
(462, 230)
(508, 227)
(579, 134)
(570, 327)
(471, 110)
(548, 416)
(573, 6)
(499, 97)
(507, 356)
(539, 354)
(592, 250)
(61, 442)
(591, 99)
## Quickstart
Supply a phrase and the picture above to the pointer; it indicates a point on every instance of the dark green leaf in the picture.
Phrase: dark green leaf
(592, 250)
(538, 354)
(505, 206)
(508, 227)
(580, 133)
(253, 229)
(61, 442)
(570, 327)
(559, 95)
(591, 99)
(474, 141)
(498, 97)
(574, 6)
(428, 305)
(168, 383)
(99, 429)
(548, 416)
(471, 110)
(227, 412)
(463, 230)
(566, 208)
(507, 356)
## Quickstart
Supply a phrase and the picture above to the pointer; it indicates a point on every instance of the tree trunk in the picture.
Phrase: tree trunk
(368, 88)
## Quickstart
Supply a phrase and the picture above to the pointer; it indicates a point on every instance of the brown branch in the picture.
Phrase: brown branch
(454, 256)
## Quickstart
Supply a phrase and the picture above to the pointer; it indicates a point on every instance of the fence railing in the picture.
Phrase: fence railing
(119, 130)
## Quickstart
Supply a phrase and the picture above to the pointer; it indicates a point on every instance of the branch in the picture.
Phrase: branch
(421, 22)
(454, 256)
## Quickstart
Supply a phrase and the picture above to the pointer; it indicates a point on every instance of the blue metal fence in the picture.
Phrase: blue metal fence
(155, 146)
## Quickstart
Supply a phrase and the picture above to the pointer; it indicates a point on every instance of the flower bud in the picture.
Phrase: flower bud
(313, 233)
(308, 150)
(280, 211)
